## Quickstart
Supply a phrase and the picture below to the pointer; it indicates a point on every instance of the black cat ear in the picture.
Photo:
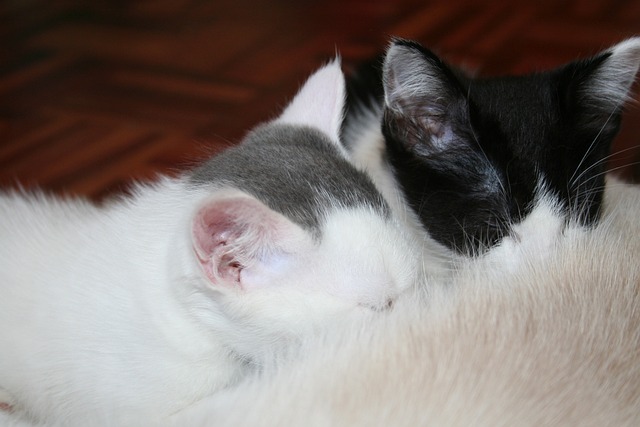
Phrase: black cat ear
(425, 107)
(596, 89)
(609, 85)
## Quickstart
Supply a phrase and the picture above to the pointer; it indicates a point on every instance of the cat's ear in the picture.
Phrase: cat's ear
(595, 90)
(320, 102)
(425, 106)
(239, 241)
(609, 85)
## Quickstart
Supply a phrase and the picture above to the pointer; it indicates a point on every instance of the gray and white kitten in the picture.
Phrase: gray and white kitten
(133, 310)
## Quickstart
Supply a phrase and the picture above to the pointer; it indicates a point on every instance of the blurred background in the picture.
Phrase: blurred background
(94, 94)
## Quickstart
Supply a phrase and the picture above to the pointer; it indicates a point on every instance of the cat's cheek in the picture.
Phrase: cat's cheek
(273, 272)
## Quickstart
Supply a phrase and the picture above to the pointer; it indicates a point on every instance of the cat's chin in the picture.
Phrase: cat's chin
(532, 240)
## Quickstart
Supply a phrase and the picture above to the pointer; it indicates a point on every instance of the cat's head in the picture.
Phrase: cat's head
(299, 236)
(473, 155)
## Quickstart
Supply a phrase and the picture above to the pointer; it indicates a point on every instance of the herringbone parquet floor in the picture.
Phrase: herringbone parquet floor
(95, 94)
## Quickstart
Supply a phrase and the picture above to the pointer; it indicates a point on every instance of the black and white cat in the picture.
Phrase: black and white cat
(133, 310)
(473, 155)
(543, 327)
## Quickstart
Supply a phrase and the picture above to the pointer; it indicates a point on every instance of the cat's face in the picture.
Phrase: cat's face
(295, 283)
(280, 250)
(473, 155)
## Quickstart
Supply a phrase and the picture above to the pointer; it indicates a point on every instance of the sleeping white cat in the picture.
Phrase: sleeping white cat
(133, 310)
(553, 343)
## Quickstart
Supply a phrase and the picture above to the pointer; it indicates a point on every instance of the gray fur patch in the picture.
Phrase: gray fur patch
(294, 170)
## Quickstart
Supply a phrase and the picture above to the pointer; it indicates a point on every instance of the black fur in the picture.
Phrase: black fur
(468, 152)
(364, 91)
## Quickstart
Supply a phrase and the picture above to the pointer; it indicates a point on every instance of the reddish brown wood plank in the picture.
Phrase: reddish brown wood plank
(94, 94)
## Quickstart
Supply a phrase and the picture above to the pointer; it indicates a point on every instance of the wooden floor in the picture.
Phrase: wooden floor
(96, 93)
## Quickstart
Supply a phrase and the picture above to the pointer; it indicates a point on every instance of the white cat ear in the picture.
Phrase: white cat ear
(235, 237)
(610, 84)
(320, 102)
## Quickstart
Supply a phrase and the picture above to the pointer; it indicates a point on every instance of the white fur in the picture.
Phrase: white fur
(107, 314)
(90, 308)
(532, 240)
(368, 154)
(554, 342)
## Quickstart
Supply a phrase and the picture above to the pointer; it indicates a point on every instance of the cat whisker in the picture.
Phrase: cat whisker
(593, 143)
(605, 172)
(589, 150)
(604, 160)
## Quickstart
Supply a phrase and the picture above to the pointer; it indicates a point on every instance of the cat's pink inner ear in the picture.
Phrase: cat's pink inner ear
(235, 233)
(217, 228)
